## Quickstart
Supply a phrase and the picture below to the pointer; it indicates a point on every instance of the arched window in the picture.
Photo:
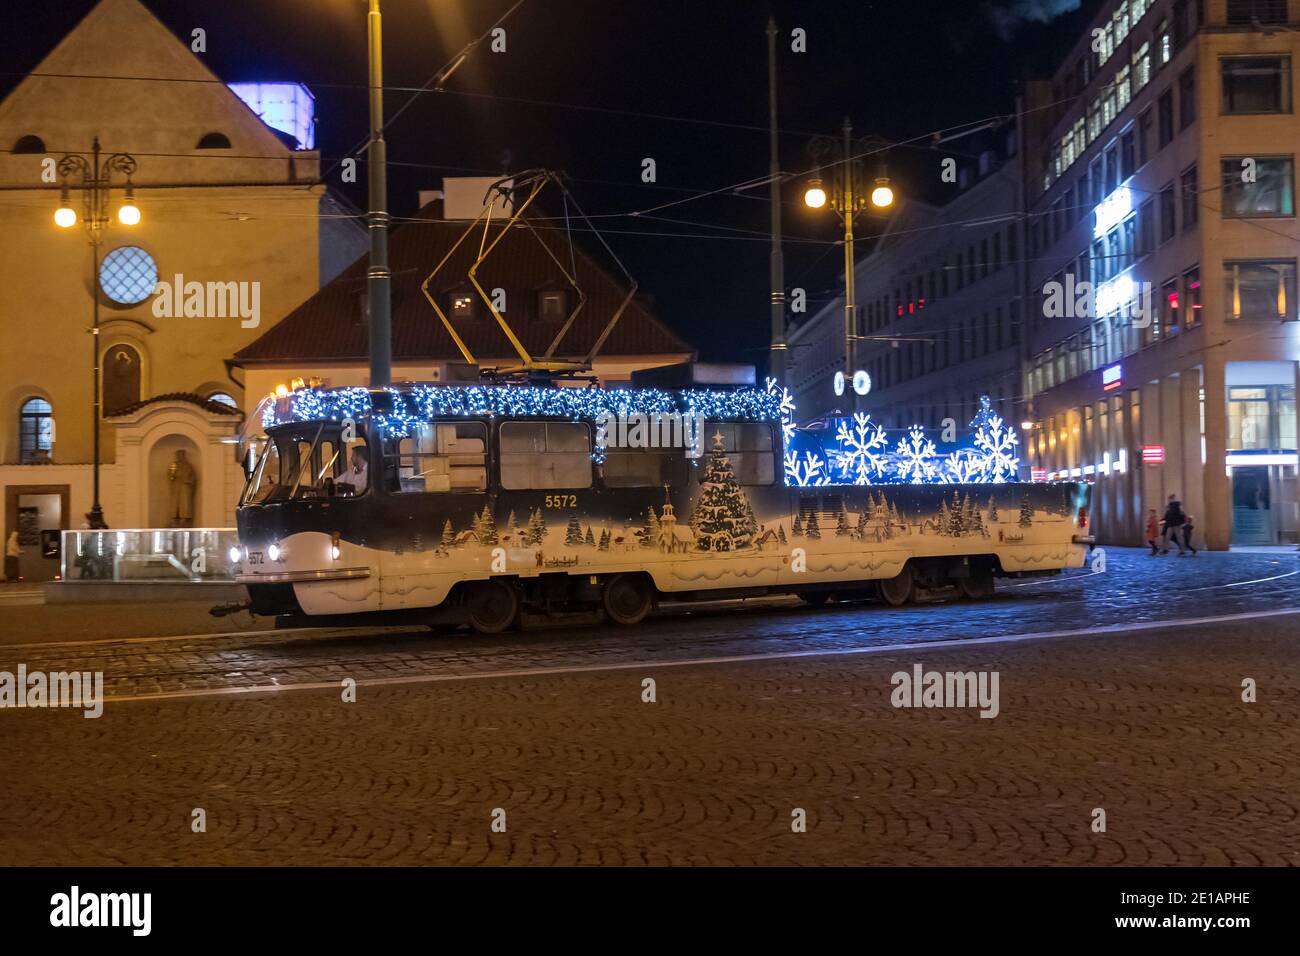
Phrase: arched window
(214, 141)
(121, 378)
(29, 144)
(222, 398)
(35, 432)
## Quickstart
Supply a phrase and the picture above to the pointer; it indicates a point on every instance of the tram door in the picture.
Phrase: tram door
(1252, 506)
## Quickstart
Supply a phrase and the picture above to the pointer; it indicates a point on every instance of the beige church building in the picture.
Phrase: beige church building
(233, 226)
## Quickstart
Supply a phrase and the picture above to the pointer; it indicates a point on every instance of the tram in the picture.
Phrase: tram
(478, 503)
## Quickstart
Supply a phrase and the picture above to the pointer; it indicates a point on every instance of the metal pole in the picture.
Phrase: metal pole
(777, 356)
(96, 510)
(850, 210)
(378, 289)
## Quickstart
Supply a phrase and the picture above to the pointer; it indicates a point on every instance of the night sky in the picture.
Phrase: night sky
(900, 69)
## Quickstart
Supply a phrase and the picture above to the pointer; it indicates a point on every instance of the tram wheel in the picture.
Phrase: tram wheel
(493, 606)
(977, 587)
(628, 598)
(897, 591)
(815, 598)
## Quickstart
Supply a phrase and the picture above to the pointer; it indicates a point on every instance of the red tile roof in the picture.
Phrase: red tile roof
(330, 326)
(217, 408)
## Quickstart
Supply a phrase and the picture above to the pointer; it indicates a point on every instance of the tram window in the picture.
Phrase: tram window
(441, 456)
(644, 467)
(545, 455)
(748, 446)
(265, 477)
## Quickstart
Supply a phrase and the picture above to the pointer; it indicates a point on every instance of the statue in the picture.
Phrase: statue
(182, 478)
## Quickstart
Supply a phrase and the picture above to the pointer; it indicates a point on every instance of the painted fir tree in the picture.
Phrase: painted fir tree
(780, 534)
(814, 529)
(993, 511)
(650, 529)
(944, 519)
(956, 517)
(573, 533)
(977, 524)
(588, 538)
(863, 520)
(721, 521)
(1026, 512)
(511, 527)
(537, 530)
(448, 536)
(796, 529)
(487, 527)
(604, 540)
(842, 529)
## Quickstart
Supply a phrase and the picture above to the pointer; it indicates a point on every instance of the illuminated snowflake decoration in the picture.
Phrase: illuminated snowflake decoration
(807, 473)
(996, 442)
(964, 467)
(786, 404)
(915, 456)
(862, 444)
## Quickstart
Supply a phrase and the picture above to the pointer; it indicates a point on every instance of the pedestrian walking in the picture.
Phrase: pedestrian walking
(1188, 528)
(13, 551)
(1174, 520)
(1153, 531)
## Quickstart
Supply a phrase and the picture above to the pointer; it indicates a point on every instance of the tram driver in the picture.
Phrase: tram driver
(357, 477)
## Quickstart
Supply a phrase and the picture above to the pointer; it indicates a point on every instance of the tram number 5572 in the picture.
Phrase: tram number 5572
(561, 501)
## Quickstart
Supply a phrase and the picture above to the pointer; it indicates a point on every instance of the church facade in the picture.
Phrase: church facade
(234, 228)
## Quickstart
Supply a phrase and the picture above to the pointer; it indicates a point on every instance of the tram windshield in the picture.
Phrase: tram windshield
(310, 461)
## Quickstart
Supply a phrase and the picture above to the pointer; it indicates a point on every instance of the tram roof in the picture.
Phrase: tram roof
(399, 407)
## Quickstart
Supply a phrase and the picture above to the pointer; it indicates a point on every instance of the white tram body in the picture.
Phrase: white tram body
(434, 502)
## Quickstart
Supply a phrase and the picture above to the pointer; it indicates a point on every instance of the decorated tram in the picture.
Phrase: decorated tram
(479, 503)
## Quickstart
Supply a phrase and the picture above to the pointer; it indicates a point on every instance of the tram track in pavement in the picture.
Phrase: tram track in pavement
(1132, 594)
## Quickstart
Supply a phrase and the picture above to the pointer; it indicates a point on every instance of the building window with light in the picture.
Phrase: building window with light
(462, 305)
(35, 432)
(1258, 187)
(1260, 289)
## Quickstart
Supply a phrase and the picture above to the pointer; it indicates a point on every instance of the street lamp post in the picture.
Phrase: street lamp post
(849, 194)
(94, 177)
(378, 277)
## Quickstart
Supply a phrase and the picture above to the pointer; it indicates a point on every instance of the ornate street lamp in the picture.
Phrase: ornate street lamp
(93, 178)
(849, 191)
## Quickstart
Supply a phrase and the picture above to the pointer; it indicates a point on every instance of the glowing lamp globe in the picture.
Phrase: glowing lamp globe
(65, 217)
(129, 213)
(882, 196)
(815, 196)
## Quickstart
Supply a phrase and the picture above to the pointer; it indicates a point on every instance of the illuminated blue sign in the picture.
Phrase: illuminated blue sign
(1112, 377)
(288, 107)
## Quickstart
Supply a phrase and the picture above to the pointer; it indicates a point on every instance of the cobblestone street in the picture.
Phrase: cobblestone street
(1147, 724)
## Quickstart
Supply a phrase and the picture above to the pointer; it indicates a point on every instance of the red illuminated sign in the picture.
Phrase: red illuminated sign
(1153, 454)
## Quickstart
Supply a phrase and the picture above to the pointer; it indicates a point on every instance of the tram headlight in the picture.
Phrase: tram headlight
(273, 552)
(334, 546)
(235, 554)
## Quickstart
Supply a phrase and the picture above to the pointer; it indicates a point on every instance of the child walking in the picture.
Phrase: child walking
(1153, 531)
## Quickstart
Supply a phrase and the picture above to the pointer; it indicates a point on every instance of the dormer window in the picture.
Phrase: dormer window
(214, 141)
(553, 304)
(462, 305)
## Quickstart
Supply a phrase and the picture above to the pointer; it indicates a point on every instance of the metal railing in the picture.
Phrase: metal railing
(149, 555)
